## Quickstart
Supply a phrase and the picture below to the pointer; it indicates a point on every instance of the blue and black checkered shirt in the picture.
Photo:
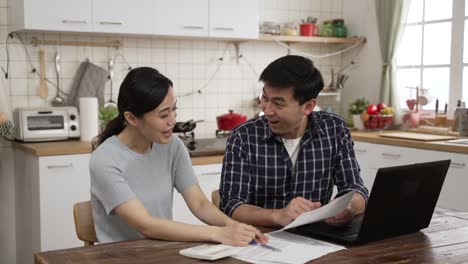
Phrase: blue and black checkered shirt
(257, 168)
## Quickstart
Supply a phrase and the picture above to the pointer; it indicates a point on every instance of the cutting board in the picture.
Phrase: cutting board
(416, 136)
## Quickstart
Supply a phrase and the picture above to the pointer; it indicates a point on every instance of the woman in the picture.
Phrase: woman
(136, 165)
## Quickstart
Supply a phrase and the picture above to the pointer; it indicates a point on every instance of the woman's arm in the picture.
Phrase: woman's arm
(202, 208)
(135, 214)
(207, 212)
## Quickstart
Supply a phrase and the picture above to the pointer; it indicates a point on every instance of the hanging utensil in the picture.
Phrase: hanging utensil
(110, 67)
(57, 100)
(43, 91)
(332, 82)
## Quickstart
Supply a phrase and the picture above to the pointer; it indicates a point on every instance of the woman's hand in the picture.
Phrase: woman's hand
(238, 234)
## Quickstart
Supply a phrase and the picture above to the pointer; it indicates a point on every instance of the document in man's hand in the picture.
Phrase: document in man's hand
(331, 209)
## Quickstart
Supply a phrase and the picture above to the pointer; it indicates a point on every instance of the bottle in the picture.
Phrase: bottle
(327, 29)
(456, 116)
(339, 29)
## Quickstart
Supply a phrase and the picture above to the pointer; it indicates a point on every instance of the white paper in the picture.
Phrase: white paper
(294, 249)
(333, 208)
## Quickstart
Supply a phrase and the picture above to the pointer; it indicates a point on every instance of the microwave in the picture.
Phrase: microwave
(46, 123)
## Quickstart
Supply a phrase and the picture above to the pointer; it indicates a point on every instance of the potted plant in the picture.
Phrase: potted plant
(355, 109)
(106, 114)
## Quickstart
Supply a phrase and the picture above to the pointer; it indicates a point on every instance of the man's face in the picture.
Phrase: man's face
(286, 117)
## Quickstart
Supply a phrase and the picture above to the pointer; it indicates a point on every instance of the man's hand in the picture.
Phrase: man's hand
(343, 217)
(355, 207)
(296, 207)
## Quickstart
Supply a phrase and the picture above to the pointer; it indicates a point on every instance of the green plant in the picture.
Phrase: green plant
(358, 106)
(106, 114)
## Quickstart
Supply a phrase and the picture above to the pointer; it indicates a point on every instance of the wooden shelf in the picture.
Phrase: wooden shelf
(302, 39)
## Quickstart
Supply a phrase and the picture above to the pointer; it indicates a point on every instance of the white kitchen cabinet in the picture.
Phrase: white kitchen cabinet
(372, 156)
(453, 194)
(46, 190)
(123, 16)
(234, 19)
(54, 15)
(208, 177)
(181, 17)
(365, 155)
(7, 205)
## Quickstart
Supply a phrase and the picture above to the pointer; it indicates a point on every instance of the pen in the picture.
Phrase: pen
(265, 246)
(437, 106)
(445, 109)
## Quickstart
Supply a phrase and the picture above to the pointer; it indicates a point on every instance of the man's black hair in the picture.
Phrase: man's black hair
(296, 72)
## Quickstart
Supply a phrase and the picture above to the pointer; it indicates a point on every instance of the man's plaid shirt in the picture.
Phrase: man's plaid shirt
(257, 169)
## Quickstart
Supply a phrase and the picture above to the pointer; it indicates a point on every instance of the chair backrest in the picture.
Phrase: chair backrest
(84, 223)
(215, 198)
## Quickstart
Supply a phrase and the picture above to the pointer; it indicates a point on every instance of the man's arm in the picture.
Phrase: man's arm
(254, 215)
(348, 178)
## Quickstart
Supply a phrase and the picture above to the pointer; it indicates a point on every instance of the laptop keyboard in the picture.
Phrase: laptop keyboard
(348, 232)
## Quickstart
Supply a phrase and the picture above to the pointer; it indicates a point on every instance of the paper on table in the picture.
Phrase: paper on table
(333, 208)
(294, 249)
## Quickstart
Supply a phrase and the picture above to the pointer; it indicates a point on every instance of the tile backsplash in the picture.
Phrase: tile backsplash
(192, 64)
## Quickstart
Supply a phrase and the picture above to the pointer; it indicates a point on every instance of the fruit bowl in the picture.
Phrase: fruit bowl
(378, 121)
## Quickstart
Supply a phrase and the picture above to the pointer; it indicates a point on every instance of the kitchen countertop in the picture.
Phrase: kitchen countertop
(214, 147)
(373, 137)
(209, 150)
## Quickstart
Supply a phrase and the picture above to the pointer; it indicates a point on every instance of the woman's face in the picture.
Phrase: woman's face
(157, 125)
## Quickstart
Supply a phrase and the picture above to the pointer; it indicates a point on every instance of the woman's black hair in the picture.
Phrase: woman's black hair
(297, 72)
(142, 90)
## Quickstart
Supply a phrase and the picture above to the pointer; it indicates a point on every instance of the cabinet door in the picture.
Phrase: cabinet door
(123, 16)
(181, 17)
(366, 157)
(208, 177)
(234, 19)
(63, 181)
(60, 15)
(453, 194)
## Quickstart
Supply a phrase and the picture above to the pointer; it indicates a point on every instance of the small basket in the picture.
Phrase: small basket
(378, 122)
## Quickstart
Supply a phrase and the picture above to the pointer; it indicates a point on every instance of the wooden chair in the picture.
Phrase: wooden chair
(215, 198)
(84, 223)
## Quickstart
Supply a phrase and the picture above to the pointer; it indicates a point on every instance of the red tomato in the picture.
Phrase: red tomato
(372, 109)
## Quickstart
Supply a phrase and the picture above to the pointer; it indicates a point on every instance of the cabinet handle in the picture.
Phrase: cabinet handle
(51, 167)
(457, 165)
(360, 150)
(66, 21)
(393, 156)
(224, 28)
(194, 27)
(210, 173)
(111, 23)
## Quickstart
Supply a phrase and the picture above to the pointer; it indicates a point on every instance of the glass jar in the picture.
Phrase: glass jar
(327, 29)
(339, 29)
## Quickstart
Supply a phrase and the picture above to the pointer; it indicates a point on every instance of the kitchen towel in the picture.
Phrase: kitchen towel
(89, 121)
(89, 81)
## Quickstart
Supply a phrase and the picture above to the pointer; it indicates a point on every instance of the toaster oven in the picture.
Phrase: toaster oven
(46, 124)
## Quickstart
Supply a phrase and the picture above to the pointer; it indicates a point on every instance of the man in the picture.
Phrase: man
(286, 162)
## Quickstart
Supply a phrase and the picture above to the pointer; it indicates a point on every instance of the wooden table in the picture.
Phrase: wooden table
(444, 241)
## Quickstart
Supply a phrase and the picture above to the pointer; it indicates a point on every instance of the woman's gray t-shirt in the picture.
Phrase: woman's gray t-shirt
(119, 174)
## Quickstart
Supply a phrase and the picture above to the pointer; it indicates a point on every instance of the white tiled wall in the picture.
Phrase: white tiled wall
(188, 63)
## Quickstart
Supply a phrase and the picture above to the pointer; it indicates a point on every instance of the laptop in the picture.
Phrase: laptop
(402, 201)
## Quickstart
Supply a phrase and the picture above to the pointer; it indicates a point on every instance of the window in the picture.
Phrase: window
(432, 54)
